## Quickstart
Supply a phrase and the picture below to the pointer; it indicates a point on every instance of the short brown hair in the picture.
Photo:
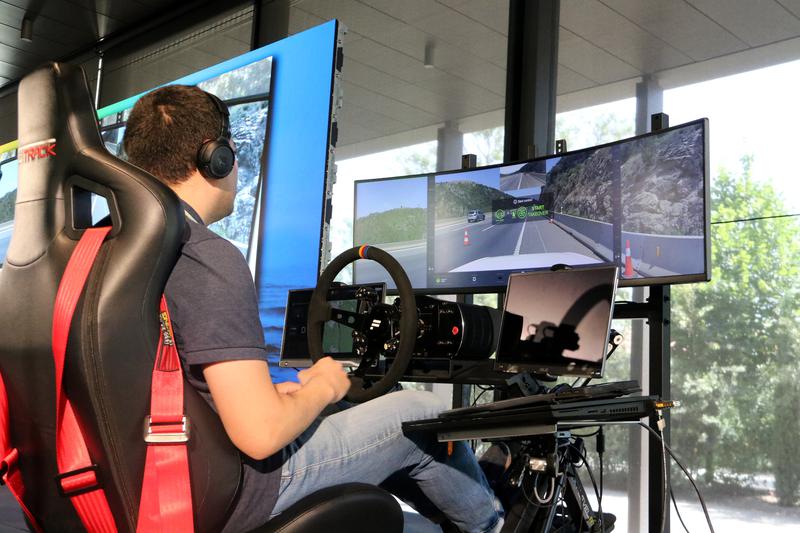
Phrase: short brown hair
(166, 129)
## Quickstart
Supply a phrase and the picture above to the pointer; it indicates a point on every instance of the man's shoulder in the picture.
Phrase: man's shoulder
(205, 242)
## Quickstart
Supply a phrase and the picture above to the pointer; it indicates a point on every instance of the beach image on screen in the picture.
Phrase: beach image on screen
(498, 219)
(392, 215)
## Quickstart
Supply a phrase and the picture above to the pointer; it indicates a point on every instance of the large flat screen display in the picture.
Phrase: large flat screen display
(640, 204)
(245, 89)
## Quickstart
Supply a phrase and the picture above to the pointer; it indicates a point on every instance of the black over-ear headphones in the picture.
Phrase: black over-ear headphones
(215, 158)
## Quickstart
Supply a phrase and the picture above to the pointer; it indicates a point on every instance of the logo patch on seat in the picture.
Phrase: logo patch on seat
(165, 329)
(38, 150)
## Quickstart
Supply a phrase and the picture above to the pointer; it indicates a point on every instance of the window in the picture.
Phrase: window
(734, 340)
(598, 124)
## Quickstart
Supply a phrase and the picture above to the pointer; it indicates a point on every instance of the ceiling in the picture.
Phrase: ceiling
(391, 98)
(61, 27)
(605, 46)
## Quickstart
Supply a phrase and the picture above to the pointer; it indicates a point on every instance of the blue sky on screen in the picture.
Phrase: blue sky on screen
(9, 180)
(379, 196)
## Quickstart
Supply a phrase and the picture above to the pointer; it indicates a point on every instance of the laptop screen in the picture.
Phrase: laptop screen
(557, 323)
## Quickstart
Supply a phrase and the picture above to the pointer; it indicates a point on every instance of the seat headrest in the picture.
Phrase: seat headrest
(57, 121)
(61, 157)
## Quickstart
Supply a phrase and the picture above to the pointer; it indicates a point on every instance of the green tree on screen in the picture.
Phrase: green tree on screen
(734, 339)
(7, 202)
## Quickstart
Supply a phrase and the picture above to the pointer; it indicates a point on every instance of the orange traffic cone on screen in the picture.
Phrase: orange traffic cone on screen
(466, 238)
(628, 260)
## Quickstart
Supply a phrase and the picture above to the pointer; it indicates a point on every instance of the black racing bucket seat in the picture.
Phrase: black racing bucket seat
(114, 332)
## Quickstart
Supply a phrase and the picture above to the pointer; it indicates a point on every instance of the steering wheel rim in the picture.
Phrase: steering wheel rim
(319, 311)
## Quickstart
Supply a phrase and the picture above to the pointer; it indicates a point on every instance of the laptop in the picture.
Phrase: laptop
(599, 391)
(525, 421)
(557, 323)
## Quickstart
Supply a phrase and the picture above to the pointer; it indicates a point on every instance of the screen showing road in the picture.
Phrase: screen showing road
(640, 204)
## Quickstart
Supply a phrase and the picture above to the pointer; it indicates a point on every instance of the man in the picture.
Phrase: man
(288, 452)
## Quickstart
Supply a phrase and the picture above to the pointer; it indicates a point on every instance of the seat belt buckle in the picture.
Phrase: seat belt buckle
(78, 481)
(163, 432)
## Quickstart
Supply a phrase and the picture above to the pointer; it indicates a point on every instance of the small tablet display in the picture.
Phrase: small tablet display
(337, 340)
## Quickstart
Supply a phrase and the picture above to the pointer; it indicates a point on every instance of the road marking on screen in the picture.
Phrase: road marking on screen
(519, 241)
(536, 226)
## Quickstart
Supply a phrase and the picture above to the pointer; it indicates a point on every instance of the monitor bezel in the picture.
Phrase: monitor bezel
(504, 366)
(622, 282)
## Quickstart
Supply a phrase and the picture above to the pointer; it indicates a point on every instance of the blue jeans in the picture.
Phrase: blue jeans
(366, 444)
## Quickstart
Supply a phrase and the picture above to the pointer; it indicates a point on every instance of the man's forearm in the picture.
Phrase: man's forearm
(296, 413)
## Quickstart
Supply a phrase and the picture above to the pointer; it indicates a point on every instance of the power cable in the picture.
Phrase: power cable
(594, 484)
(686, 472)
(674, 503)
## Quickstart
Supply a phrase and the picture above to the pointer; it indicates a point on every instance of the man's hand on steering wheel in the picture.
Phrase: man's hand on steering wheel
(330, 372)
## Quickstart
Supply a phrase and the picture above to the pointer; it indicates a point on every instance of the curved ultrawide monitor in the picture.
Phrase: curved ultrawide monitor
(640, 204)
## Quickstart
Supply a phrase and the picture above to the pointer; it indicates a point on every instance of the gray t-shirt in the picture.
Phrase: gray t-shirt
(214, 311)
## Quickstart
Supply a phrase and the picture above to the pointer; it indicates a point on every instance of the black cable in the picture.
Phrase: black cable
(601, 448)
(478, 397)
(609, 354)
(672, 496)
(753, 219)
(686, 472)
(601, 476)
(594, 484)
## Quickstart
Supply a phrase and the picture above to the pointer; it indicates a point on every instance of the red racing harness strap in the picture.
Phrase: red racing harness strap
(77, 478)
(166, 502)
(9, 456)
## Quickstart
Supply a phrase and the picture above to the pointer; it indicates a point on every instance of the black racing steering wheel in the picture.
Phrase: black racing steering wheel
(320, 311)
